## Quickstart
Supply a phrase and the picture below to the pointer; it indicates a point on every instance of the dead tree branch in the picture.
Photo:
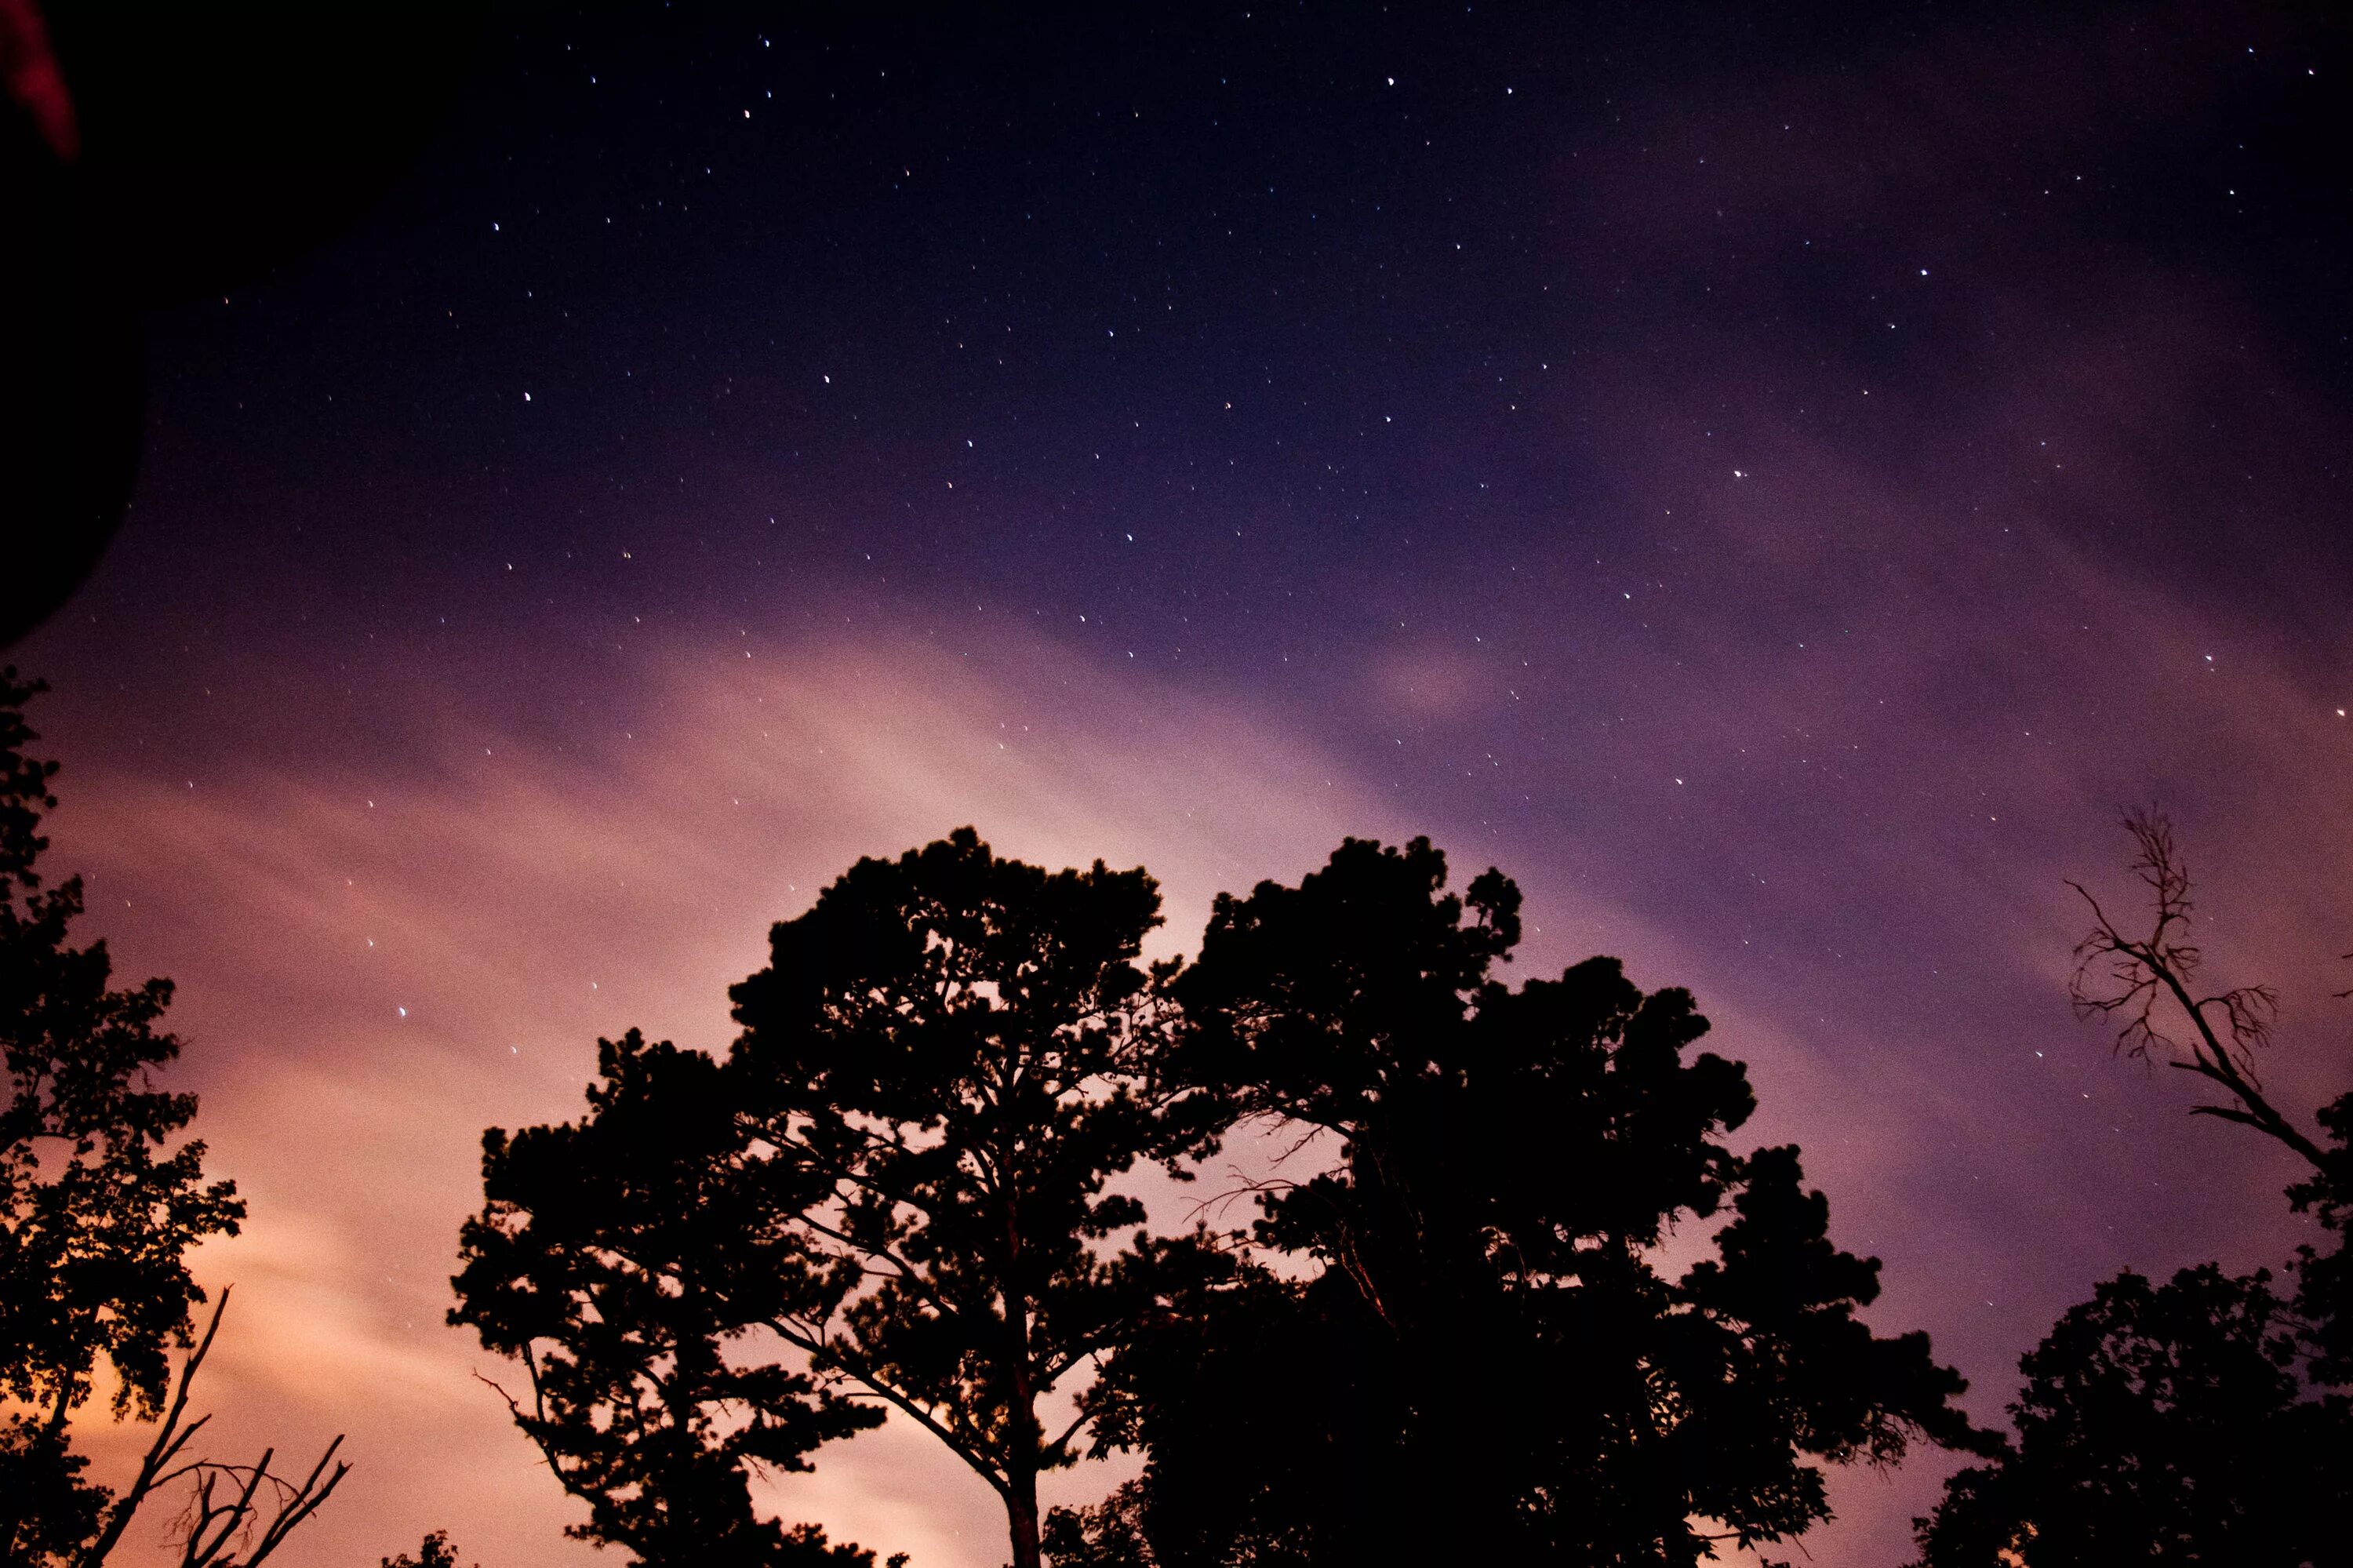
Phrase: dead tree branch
(234, 1507)
(2133, 979)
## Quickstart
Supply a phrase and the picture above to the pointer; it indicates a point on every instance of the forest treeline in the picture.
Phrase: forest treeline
(1441, 1323)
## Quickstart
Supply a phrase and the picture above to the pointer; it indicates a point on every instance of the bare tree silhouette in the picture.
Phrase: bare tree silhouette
(2133, 977)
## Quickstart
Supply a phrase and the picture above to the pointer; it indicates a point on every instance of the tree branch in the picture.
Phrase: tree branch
(823, 1350)
(170, 1438)
(2114, 974)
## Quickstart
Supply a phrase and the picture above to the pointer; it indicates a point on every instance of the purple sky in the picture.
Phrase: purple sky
(1778, 494)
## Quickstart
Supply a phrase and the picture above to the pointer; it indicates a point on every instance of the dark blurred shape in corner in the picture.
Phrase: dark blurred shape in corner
(152, 153)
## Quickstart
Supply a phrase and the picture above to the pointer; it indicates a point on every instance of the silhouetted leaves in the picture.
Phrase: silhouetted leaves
(1492, 1365)
(2159, 1424)
(1276, 1414)
(100, 1212)
(898, 1172)
(97, 1207)
(1453, 1337)
(435, 1553)
(2325, 1277)
(1110, 1534)
(617, 1259)
(962, 1047)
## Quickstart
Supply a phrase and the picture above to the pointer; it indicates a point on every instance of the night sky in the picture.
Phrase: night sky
(1777, 481)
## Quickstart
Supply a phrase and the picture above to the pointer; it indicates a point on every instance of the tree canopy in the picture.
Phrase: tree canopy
(2325, 1274)
(899, 1172)
(1486, 1358)
(2159, 1424)
(1456, 1339)
(622, 1259)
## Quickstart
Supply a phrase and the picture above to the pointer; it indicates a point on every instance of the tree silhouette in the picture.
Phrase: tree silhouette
(899, 1172)
(435, 1552)
(2324, 1279)
(2176, 1421)
(1492, 1363)
(99, 1211)
(2136, 979)
(2159, 1424)
(622, 1260)
(1275, 1416)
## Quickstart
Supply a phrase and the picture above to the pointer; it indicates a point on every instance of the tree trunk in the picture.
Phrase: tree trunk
(1021, 1517)
(1022, 1447)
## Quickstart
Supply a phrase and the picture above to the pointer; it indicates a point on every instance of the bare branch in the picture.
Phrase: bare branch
(218, 1516)
(530, 1428)
(213, 1528)
(2121, 977)
(303, 1503)
(170, 1438)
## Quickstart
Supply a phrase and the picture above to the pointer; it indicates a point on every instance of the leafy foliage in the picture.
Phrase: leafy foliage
(434, 1552)
(2159, 1424)
(2324, 1278)
(97, 1207)
(613, 1259)
(899, 1172)
(1490, 1329)
(1275, 1411)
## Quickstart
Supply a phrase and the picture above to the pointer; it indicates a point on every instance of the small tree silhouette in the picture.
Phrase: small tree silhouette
(626, 1262)
(435, 1552)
